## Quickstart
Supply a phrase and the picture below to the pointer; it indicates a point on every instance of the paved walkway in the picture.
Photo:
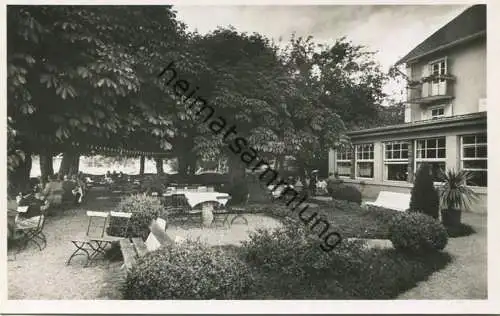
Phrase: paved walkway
(466, 276)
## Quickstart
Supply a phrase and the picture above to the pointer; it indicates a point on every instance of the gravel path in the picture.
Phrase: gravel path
(44, 275)
(466, 276)
(34, 274)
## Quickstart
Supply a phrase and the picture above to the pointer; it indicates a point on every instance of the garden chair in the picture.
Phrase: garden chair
(178, 207)
(228, 210)
(30, 229)
(96, 239)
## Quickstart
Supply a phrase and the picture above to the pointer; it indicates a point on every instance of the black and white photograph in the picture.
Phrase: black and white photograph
(245, 152)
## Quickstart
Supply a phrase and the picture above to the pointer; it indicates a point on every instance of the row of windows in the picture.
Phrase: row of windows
(431, 151)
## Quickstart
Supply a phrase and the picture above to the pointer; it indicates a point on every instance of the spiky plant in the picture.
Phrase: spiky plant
(454, 193)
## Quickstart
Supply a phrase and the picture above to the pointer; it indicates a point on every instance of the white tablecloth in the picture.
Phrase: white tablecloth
(195, 198)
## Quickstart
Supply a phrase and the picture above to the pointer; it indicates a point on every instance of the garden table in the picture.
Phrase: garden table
(196, 198)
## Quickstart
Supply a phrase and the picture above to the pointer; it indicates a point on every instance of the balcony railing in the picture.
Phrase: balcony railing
(431, 89)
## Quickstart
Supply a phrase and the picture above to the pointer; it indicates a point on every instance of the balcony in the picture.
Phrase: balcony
(433, 89)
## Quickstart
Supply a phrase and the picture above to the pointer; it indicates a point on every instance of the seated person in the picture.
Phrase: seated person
(77, 190)
(53, 191)
(36, 205)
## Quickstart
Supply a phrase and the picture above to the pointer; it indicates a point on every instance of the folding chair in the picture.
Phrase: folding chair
(238, 210)
(29, 229)
(95, 240)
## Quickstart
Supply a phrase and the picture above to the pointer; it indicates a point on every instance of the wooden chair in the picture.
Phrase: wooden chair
(30, 229)
(227, 210)
(96, 238)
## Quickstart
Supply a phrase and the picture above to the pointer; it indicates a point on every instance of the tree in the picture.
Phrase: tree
(76, 74)
(424, 197)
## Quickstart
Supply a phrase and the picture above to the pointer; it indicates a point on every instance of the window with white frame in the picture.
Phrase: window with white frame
(474, 158)
(437, 112)
(431, 151)
(396, 161)
(344, 162)
(364, 161)
(439, 68)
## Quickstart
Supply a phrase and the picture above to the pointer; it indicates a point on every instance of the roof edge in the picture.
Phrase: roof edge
(442, 47)
(434, 122)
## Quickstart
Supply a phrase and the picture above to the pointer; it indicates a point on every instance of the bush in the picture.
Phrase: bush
(144, 209)
(154, 183)
(342, 192)
(424, 196)
(416, 232)
(294, 251)
(188, 270)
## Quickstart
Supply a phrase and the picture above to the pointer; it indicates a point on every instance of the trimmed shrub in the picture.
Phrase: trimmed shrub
(294, 251)
(144, 209)
(424, 196)
(189, 270)
(416, 232)
(342, 192)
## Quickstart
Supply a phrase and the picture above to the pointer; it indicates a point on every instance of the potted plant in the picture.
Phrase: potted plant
(455, 196)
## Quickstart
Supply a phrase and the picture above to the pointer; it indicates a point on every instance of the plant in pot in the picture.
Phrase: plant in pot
(455, 196)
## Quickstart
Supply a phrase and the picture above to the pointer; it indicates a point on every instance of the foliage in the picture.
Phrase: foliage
(424, 197)
(417, 232)
(287, 264)
(454, 193)
(291, 250)
(144, 209)
(189, 270)
(342, 192)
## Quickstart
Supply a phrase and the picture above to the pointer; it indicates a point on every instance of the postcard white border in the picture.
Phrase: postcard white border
(285, 307)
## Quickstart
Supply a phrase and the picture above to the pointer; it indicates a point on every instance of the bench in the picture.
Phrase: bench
(392, 200)
(134, 248)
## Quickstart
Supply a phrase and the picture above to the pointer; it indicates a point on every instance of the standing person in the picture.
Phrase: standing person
(312, 182)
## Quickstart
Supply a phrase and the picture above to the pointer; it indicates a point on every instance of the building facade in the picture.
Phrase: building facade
(445, 116)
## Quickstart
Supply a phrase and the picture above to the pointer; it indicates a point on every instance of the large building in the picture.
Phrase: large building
(445, 116)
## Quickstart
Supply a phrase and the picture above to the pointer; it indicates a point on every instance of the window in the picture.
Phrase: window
(364, 161)
(475, 158)
(433, 152)
(344, 162)
(437, 112)
(396, 161)
(439, 68)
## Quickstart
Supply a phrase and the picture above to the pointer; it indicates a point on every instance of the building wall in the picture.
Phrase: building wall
(371, 187)
(467, 63)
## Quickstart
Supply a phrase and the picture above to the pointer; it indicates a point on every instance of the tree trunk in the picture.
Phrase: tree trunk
(19, 178)
(142, 164)
(70, 163)
(236, 170)
(75, 164)
(159, 165)
(46, 165)
(65, 163)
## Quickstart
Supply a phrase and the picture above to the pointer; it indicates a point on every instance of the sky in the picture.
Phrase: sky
(390, 30)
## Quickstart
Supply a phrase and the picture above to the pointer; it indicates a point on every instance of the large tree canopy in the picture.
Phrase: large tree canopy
(86, 76)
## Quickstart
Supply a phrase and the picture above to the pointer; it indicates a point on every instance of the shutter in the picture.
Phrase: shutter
(425, 85)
